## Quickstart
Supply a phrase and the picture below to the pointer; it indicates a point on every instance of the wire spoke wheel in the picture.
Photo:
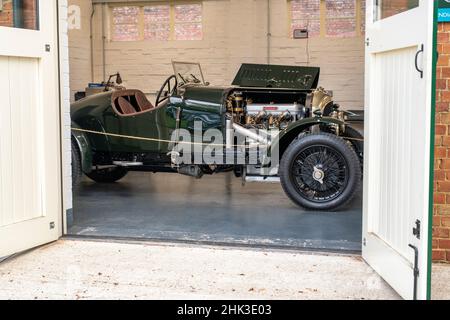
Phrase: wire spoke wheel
(320, 172)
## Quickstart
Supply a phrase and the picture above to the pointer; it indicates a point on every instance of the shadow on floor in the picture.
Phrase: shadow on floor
(215, 209)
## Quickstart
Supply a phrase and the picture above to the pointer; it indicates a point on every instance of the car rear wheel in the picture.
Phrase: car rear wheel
(76, 165)
(109, 175)
(320, 172)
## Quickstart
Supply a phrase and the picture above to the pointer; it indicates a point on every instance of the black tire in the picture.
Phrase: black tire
(109, 175)
(77, 172)
(357, 141)
(320, 172)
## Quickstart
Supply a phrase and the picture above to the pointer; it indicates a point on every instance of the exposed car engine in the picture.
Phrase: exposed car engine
(247, 109)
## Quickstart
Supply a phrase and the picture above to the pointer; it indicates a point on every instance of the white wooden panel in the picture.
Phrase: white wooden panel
(30, 137)
(397, 145)
(21, 160)
(400, 120)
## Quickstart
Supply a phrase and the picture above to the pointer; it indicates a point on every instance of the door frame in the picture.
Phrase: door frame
(64, 115)
(432, 149)
(64, 84)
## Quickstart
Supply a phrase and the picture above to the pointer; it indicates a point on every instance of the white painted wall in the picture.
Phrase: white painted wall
(79, 43)
(65, 109)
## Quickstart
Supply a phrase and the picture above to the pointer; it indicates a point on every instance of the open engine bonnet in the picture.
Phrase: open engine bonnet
(277, 76)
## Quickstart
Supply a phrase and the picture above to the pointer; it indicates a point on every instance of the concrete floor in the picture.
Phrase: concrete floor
(99, 270)
(215, 209)
(440, 282)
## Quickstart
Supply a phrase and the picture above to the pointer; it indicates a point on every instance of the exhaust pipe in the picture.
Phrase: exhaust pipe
(229, 134)
(250, 134)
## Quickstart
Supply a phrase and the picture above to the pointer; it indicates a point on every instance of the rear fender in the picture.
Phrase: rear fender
(84, 146)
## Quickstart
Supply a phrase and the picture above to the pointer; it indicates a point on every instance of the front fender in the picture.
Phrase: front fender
(282, 141)
(84, 146)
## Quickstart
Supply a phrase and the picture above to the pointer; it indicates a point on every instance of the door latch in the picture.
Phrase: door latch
(47, 48)
(416, 230)
(52, 225)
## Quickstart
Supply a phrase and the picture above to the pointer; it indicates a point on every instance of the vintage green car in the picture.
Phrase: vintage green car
(272, 124)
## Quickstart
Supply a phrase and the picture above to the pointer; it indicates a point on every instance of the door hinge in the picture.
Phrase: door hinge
(416, 230)
(52, 225)
(364, 242)
(368, 42)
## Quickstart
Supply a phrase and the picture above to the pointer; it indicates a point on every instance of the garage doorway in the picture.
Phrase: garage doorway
(218, 209)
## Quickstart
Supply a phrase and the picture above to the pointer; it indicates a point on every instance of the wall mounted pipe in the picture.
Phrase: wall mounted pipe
(269, 32)
(91, 28)
(18, 18)
(103, 42)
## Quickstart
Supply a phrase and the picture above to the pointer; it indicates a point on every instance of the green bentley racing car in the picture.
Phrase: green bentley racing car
(272, 124)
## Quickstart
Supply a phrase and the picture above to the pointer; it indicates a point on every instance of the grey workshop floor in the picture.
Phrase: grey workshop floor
(215, 209)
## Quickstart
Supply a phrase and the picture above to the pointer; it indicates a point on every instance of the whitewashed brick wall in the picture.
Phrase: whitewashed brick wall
(235, 32)
(65, 108)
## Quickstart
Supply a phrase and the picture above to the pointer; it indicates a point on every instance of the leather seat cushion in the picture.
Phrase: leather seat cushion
(143, 102)
(125, 106)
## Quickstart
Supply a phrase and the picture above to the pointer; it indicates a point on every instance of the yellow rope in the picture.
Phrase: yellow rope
(169, 141)
(152, 139)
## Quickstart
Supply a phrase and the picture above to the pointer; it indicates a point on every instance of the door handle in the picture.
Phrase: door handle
(415, 270)
(422, 49)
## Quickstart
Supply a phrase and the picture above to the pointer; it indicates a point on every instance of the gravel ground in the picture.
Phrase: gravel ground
(440, 282)
(71, 269)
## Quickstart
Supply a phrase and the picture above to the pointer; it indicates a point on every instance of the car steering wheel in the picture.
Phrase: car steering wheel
(165, 94)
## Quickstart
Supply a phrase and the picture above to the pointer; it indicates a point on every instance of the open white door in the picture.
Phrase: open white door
(30, 177)
(399, 71)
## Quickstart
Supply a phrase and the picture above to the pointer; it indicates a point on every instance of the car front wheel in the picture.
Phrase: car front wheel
(320, 172)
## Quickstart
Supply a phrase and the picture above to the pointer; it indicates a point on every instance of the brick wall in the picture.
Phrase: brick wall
(390, 8)
(6, 15)
(80, 45)
(29, 14)
(441, 220)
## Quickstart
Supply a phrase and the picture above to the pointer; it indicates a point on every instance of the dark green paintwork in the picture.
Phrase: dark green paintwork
(84, 147)
(197, 103)
(277, 76)
(95, 113)
(443, 4)
(286, 136)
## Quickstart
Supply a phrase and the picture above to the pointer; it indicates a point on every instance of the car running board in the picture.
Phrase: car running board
(262, 179)
(127, 164)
